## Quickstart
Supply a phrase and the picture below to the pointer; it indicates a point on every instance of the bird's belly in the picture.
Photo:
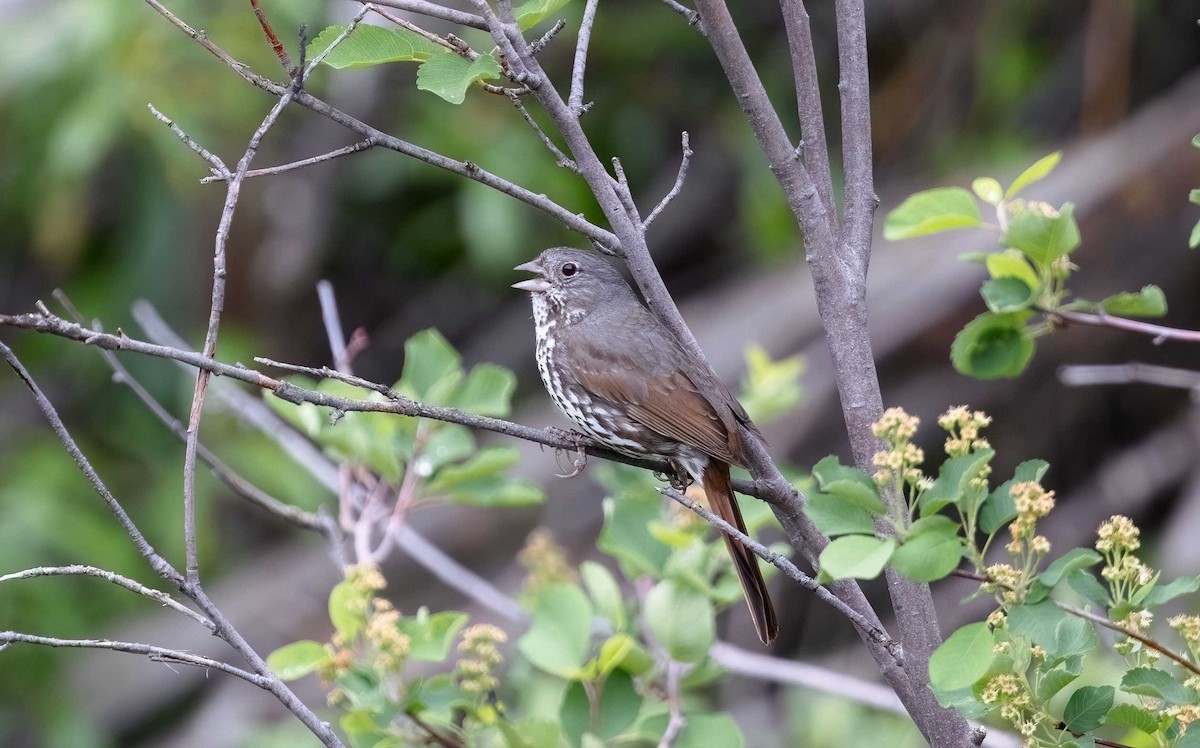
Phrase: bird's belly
(597, 418)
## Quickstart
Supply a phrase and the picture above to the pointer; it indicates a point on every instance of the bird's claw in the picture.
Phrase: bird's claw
(678, 478)
(578, 462)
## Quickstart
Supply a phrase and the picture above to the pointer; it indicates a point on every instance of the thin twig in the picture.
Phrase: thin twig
(604, 240)
(276, 45)
(693, 18)
(575, 101)
(788, 568)
(220, 171)
(1136, 372)
(160, 565)
(361, 145)
(158, 654)
(132, 585)
(560, 158)
(350, 27)
(333, 326)
(433, 10)
(463, 49)
(683, 168)
(1102, 319)
(537, 46)
(676, 721)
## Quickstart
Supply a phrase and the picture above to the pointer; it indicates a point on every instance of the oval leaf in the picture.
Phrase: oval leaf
(681, 619)
(963, 658)
(1043, 238)
(855, 556)
(992, 346)
(561, 631)
(988, 190)
(930, 551)
(931, 212)
(297, 659)
(1006, 294)
(373, 45)
(1088, 707)
(449, 75)
(1039, 170)
(1149, 302)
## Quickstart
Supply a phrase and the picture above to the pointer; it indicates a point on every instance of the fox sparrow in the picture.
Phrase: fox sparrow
(624, 378)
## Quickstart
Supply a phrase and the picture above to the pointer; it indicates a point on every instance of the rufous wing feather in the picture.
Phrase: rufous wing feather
(754, 587)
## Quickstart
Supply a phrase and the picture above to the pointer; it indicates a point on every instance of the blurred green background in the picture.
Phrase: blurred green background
(99, 199)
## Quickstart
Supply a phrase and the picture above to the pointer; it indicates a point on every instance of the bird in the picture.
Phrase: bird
(625, 379)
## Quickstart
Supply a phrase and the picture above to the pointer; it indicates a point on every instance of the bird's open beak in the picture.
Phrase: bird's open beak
(533, 285)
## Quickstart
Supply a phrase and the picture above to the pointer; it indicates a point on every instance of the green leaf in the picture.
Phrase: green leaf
(1167, 592)
(931, 212)
(447, 442)
(485, 463)
(533, 12)
(988, 190)
(448, 75)
(1054, 681)
(998, 509)
(430, 636)
(1073, 636)
(347, 609)
(297, 659)
(1038, 623)
(1076, 558)
(1039, 170)
(931, 549)
(834, 517)
(602, 587)
(848, 483)
(428, 358)
(681, 620)
(954, 480)
(560, 632)
(1158, 684)
(626, 535)
(1006, 295)
(963, 658)
(855, 556)
(1149, 302)
(487, 391)
(1083, 583)
(624, 652)
(1043, 238)
(1194, 239)
(1087, 707)
(1012, 264)
(770, 387)
(1194, 197)
(1130, 715)
(993, 346)
(372, 45)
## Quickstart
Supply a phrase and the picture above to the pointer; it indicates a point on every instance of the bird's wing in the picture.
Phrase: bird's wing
(663, 399)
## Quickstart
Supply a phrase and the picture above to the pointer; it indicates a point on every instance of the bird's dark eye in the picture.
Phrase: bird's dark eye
(569, 269)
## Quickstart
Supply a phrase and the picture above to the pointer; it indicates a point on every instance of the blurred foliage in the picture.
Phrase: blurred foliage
(98, 197)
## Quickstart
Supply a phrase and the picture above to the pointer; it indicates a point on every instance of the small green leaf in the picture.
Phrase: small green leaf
(1087, 708)
(347, 609)
(954, 480)
(963, 658)
(1073, 636)
(372, 45)
(988, 190)
(855, 556)
(848, 483)
(485, 463)
(770, 387)
(1129, 715)
(602, 587)
(533, 12)
(1043, 238)
(561, 631)
(1149, 302)
(1194, 197)
(623, 651)
(1167, 592)
(1012, 264)
(1038, 623)
(681, 620)
(993, 346)
(834, 517)
(449, 75)
(930, 551)
(1076, 558)
(1083, 583)
(428, 358)
(1158, 684)
(1053, 682)
(487, 391)
(998, 509)
(931, 212)
(430, 636)
(1006, 295)
(297, 659)
(1039, 170)
(1194, 239)
(626, 535)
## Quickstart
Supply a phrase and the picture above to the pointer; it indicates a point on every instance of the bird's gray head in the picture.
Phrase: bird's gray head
(572, 281)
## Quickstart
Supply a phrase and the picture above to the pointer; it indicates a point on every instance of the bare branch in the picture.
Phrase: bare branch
(693, 18)
(683, 168)
(158, 654)
(132, 585)
(350, 27)
(463, 49)
(1136, 372)
(273, 39)
(676, 721)
(855, 91)
(604, 240)
(813, 147)
(1160, 333)
(333, 326)
(160, 565)
(434, 10)
(537, 46)
(362, 145)
(790, 570)
(560, 158)
(575, 100)
(220, 171)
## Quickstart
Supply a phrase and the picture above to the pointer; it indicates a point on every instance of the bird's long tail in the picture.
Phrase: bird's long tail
(754, 587)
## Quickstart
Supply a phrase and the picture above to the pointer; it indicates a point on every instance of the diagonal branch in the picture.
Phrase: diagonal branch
(1135, 372)
(361, 145)
(434, 10)
(158, 596)
(1160, 333)
(575, 100)
(683, 169)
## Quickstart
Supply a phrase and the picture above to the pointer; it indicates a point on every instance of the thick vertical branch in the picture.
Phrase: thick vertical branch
(813, 148)
(855, 89)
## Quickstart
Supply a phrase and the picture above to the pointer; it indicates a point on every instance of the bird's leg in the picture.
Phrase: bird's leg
(678, 477)
(577, 453)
